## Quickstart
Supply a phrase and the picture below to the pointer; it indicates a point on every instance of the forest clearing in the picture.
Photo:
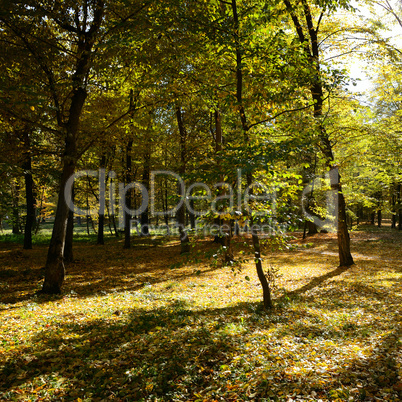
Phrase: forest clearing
(148, 324)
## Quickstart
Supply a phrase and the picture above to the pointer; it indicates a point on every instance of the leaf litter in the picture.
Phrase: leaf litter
(151, 325)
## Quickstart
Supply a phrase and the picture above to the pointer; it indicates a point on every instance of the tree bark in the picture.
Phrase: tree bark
(345, 257)
(29, 192)
(145, 181)
(101, 217)
(68, 246)
(54, 269)
(181, 212)
(16, 225)
(128, 178)
(393, 206)
(379, 218)
(399, 202)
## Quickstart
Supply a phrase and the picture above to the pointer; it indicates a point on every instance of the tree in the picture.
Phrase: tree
(63, 35)
(307, 34)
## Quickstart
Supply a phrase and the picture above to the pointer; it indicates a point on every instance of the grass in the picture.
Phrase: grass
(44, 234)
(147, 324)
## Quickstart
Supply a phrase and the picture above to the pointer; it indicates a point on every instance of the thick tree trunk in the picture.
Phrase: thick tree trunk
(29, 193)
(54, 269)
(85, 39)
(312, 228)
(345, 257)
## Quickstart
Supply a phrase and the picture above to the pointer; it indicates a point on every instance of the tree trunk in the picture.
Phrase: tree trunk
(372, 218)
(191, 215)
(128, 178)
(101, 217)
(242, 115)
(54, 269)
(393, 206)
(260, 272)
(345, 257)
(29, 193)
(181, 212)
(312, 228)
(16, 225)
(399, 197)
(39, 213)
(68, 246)
(145, 181)
(379, 218)
(308, 37)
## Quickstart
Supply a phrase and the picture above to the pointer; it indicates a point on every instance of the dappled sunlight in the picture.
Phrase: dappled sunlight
(184, 328)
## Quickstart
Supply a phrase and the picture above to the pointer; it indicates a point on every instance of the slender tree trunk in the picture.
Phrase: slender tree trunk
(191, 215)
(68, 247)
(242, 114)
(399, 202)
(393, 206)
(165, 203)
(101, 224)
(39, 212)
(88, 217)
(16, 225)
(127, 215)
(128, 179)
(111, 206)
(101, 218)
(145, 181)
(181, 212)
(29, 193)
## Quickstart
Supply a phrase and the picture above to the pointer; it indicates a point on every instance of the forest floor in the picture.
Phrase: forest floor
(147, 324)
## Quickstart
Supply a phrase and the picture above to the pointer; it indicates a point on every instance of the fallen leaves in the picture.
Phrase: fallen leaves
(133, 329)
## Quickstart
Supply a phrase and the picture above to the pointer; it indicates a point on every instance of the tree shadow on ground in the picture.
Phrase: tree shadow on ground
(161, 352)
(173, 352)
(108, 268)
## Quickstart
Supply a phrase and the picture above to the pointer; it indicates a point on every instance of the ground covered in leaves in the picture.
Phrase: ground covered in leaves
(146, 324)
